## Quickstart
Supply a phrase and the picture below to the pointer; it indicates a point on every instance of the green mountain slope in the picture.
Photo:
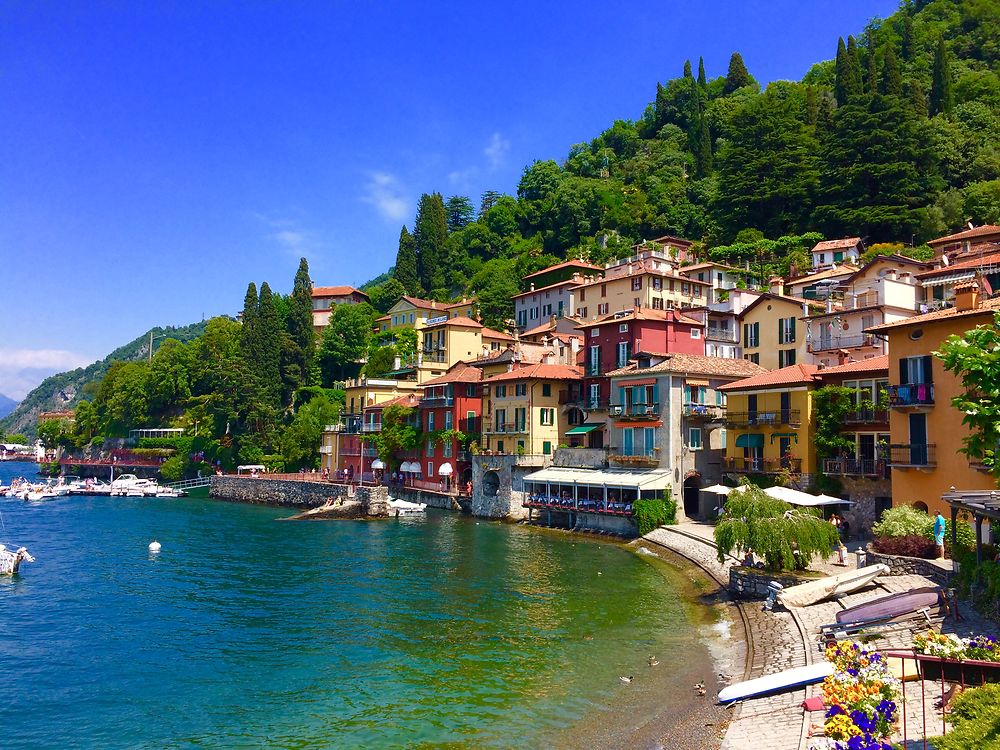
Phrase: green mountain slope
(64, 391)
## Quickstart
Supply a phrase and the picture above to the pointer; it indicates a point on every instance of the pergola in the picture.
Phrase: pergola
(981, 504)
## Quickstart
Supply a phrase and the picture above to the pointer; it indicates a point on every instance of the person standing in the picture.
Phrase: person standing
(939, 528)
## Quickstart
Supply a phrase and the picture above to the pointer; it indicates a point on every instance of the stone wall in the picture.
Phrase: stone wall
(497, 487)
(294, 494)
(904, 566)
(751, 583)
(440, 500)
(865, 511)
(581, 458)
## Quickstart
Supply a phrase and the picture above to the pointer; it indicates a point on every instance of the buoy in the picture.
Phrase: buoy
(154, 546)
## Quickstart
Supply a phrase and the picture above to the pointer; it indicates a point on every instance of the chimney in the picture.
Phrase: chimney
(843, 356)
(967, 295)
(829, 304)
(776, 285)
(532, 287)
(396, 363)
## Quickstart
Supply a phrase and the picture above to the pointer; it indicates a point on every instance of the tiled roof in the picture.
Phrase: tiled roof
(982, 260)
(459, 320)
(827, 245)
(646, 266)
(429, 304)
(566, 264)
(985, 307)
(490, 333)
(540, 372)
(336, 291)
(549, 325)
(567, 282)
(893, 258)
(764, 296)
(791, 375)
(407, 399)
(644, 313)
(831, 273)
(874, 364)
(968, 234)
(695, 364)
(706, 264)
(460, 373)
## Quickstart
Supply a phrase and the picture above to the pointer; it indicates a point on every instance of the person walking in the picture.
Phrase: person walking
(939, 528)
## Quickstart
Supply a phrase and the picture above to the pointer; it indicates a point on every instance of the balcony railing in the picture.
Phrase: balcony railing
(762, 418)
(371, 427)
(753, 465)
(704, 411)
(867, 416)
(634, 411)
(502, 429)
(911, 394)
(469, 425)
(823, 344)
(860, 467)
(434, 401)
(595, 403)
(593, 369)
(722, 334)
(914, 454)
(582, 505)
(440, 357)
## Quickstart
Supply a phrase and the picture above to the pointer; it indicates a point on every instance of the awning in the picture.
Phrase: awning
(657, 423)
(377, 464)
(445, 470)
(750, 440)
(635, 383)
(649, 479)
(408, 467)
(950, 278)
(785, 435)
(692, 381)
(583, 429)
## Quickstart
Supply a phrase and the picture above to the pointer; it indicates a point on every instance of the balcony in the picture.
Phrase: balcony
(708, 412)
(326, 450)
(470, 426)
(722, 334)
(435, 357)
(867, 416)
(763, 418)
(502, 429)
(842, 342)
(634, 411)
(914, 455)
(645, 460)
(371, 427)
(571, 398)
(755, 465)
(911, 395)
(436, 401)
(593, 369)
(857, 467)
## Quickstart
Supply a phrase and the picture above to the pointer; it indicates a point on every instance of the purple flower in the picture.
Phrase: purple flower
(833, 711)
(865, 723)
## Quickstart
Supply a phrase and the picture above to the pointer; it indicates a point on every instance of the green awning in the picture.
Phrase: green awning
(584, 429)
(750, 440)
(784, 435)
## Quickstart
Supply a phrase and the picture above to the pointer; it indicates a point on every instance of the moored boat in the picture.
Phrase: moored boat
(895, 606)
(10, 562)
(778, 682)
(843, 583)
(406, 508)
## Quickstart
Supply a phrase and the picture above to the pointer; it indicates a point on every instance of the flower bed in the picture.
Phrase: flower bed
(966, 660)
(862, 698)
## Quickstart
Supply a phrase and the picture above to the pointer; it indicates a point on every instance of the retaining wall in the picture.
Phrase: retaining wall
(751, 583)
(904, 566)
(301, 495)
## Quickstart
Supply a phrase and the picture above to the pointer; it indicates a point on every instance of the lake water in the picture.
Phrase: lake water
(249, 632)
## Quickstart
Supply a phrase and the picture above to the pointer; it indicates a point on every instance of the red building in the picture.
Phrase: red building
(450, 402)
(610, 342)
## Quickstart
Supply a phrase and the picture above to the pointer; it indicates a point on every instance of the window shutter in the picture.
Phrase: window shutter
(903, 372)
(756, 333)
(791, 339)
(928, 377)
(746, 334)
(781, 330)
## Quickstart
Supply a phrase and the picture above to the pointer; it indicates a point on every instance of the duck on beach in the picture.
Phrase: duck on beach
(653, 661)
(626, 680)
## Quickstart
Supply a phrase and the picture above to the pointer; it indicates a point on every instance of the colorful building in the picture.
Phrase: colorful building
(832, 253)
(772, 334)
(451, 402)
(549, 294)
(325, 298)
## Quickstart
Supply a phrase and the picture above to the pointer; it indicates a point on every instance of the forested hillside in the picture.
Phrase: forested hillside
(896, 138)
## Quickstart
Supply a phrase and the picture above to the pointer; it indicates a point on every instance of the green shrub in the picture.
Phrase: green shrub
(172, 469)
(903, 520)
(975, 720)
(651, 513)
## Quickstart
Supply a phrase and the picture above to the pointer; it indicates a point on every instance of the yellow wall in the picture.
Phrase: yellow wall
(363, 393)
(620, 295)
(944, 423)
(770, 402)
(767, 314)
(461, 344)
(535, 434)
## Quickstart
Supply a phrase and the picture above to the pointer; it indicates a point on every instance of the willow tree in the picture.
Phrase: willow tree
(772, 529)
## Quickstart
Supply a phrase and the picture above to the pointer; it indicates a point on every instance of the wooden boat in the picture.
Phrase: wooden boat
(895, 606)
(843, 583)
(777, 683)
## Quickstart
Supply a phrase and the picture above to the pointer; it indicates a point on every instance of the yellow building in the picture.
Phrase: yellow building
(416, 313)
(447, 341)
(773, 334)
(521, 409)
(769, 423)
(926, 431)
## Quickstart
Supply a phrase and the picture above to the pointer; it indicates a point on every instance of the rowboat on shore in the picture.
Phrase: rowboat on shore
(895, 606)
(843, 583)
(405, 508)
(779, 682)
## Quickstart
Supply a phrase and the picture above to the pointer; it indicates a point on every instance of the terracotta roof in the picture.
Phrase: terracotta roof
(460, 320)
(968, 234)
(429, 304)
(336, 291)
(567, 282)
(826, 245)
(695, 364)
(645, 266)
(987, 306)
(565, 264)
(645, 313)
(982, 260)
(384, 317)
(791, 375)
(459, 373)
(540, 372)
(764, 296)
(706, 264)
(893, 258)
(407, 399)
(831, 273)
(490, 333)
(543, 328)
(875, 364)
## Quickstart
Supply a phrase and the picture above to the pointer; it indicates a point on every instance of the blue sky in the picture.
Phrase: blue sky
(159, 156)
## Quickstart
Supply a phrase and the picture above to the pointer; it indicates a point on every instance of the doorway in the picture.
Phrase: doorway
(692, 497)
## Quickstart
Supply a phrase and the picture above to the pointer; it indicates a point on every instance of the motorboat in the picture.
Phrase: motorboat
(11, 561)
(129, 485)
(406, 508)
(830, 586)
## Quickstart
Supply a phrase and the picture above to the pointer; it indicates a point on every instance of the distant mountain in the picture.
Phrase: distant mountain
(6, 405)
(67, 389)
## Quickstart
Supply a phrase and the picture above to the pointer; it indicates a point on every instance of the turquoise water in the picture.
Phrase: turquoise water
(249, 632)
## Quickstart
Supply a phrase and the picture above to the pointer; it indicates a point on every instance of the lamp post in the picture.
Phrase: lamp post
(151, 340)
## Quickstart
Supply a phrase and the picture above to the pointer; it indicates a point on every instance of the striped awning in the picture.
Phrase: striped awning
(951, 278)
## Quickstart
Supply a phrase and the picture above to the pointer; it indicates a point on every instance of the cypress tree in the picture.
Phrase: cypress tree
(687, 69)
(268, 356)
(918, 101)
(430, 235)
(840, 73)
(406, 263)
(853, 85)
(300, 320)
(871, 72)
(892, 79)
(737, 76)
(906, 35)
(942, 98)
(248, 343)
(490, 197)
(702, 80)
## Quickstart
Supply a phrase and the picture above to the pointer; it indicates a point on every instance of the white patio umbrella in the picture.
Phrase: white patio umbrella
(377, 464)
(718, 489)
(446, 470)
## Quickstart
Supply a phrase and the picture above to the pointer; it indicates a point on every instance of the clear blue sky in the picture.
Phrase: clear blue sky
(158, 156)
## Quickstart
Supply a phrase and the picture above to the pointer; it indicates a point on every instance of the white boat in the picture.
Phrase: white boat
(843, 583)
(168, 492)
(778, 682)
(11, 561)
(406, 508)
(131, 486)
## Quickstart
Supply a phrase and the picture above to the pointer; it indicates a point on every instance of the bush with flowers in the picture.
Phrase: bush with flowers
(861, 695)
(950, 646)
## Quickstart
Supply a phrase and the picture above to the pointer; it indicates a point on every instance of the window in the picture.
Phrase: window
(499, 446)
(786, 357)
(446, 448)
(595, 332)
(500, 420)
(838, 257)
(696, 333)
(624, 353)
(657, 284)
(522, 319)
(547, 310)
(520, 445)
(595, 361)
(470, 390)
(430, 447)
(604, 290)
(595, 395)
(755, 358)
(448, 420)
(520, 419)
(822, 257)
(623, 328)
(636, 283)
(694, 438)
(430, 469)
(718, 278)
(636, 302)
(548, 417)
(501, 391)
(546, 389)
(430, 421)
(583, 294)
(695, 290)
(649, 441)
(657, 303)
(546, 447)
(915, 370)
(685, 288)
(786, 330)
(602, 308)
(751, 335)
(627, 442)
(520, 389)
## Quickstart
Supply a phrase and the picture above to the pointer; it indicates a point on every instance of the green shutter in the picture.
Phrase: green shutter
(546, 447)
(791, 339)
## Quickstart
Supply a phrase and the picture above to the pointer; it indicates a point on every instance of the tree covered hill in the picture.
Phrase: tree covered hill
(66, 389)
(895, 139)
